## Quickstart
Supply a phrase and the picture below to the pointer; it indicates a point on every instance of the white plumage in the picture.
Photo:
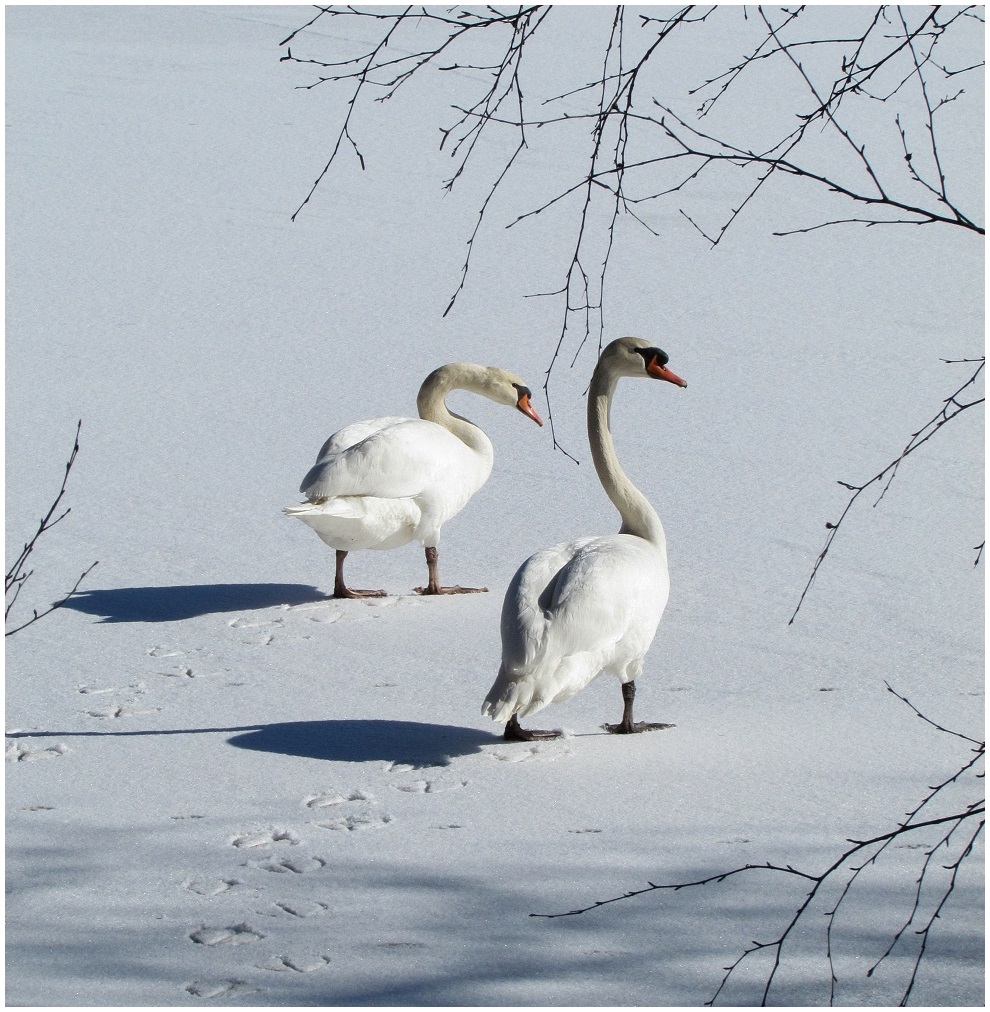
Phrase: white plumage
(589, 606)
(382, 483)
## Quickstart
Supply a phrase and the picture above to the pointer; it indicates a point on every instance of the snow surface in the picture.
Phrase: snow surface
(225, 789)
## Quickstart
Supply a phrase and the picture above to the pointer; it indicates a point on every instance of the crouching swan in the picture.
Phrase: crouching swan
(385, 482)
(592, 605)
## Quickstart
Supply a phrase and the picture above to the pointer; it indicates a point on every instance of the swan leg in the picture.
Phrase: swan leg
(340, 589)
(433, 586)
(627, 725)
(513, 732)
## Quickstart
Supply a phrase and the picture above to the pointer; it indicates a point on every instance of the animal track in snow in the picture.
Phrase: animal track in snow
(184, 673)
(439, 763)
(529, 754)
(297, 963)
(350, 823)
(328, 800)
(164, 652)
(121, 710)
(429, 787)
(265, 838)
(239, 934)
(303, 908)
(211, 888)
(15, 752)
(242, 623)
(290, 865)
(210, 988)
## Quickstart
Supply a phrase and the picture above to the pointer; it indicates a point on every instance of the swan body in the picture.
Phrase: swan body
(592, 605)
(381, 483)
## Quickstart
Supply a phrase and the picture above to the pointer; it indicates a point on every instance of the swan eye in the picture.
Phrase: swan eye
(653, 355)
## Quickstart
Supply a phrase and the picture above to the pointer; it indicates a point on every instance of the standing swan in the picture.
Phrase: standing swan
(592, 605)
(388, 481)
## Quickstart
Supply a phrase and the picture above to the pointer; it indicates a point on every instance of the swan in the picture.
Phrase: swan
(385, 482)
(592, 605)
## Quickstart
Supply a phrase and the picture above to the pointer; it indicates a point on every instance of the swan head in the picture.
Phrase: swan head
(504, 388)
(488, 380)
(632, 356)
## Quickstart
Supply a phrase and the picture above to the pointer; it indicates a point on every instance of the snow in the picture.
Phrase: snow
(225, 789)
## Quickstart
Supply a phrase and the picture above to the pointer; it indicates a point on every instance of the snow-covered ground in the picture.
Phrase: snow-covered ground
(225, 789)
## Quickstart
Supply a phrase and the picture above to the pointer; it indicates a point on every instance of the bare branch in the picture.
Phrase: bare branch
(870, 850)
(18, 574)
(952, 407)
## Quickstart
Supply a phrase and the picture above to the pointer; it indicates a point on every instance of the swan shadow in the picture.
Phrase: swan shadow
(173, 604)
(399, 741)
(356, 741)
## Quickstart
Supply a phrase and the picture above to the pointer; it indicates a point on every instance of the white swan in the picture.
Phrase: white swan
(388, 481)
(592, 605)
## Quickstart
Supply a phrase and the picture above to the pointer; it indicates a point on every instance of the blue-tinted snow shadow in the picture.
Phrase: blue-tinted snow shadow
(173, 604)
(399, 741)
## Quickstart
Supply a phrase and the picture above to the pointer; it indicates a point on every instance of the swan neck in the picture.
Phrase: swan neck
(432, 405)
(638, 516)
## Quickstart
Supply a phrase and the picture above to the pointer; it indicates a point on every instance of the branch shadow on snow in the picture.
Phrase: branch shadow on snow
(173, 604)
(398, 741)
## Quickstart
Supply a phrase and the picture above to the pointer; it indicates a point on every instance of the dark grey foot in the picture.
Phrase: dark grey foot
(513, 732)
(630, 727)
(341, 590)
(347, 592)
(433, 585)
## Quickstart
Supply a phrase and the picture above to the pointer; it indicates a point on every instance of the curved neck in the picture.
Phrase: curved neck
(638, 516)
(433, 408)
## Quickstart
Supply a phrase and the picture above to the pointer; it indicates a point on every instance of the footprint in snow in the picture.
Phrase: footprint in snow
(352, 823)
(243, 623)
(239, 934)
(438, 763)
(316, 801)
(210, 988)
(525, 755)
(265, 838)
(429, 787)
(121, 710)
(303, 908)
(290, 865)
(18, 753)
(301, 964)
(160, 651)
(181, 672)
(211, 888)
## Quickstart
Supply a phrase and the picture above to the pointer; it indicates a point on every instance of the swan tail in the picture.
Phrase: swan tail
(339, 507)
(355, 522)
(508, 697)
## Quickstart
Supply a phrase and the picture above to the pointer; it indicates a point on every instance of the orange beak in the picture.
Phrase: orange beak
(527, 409)
(658, 371)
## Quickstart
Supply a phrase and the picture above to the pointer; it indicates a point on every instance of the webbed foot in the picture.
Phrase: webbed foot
(634, 727)
(513, 732)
